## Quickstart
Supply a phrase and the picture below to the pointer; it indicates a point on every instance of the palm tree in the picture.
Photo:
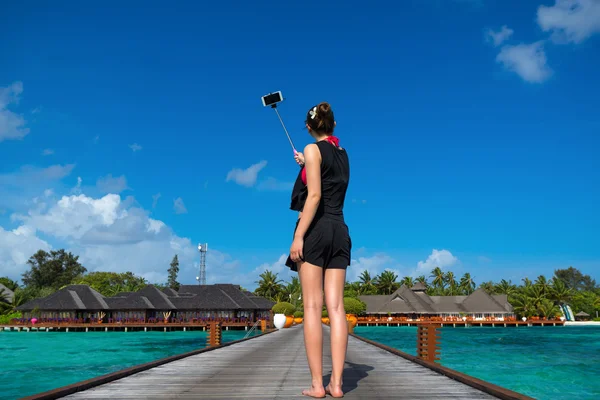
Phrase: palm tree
(467, 285)
(408, 281)
(367, 284)
(18, 299)
(438, 277)
(422, 280)
(505, 287)
(451, 282)
(292, 291)
(547, 308)
(386, 282)
(542, 282)
(524, 305)
(559, 292)
(3, 295)
(488, 287)
(535, 293)
(526, 282)
(268, 285)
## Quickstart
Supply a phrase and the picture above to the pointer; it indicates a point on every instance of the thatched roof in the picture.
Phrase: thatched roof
(190, 297)
(416, 301)
(70, 298)
(582, 314)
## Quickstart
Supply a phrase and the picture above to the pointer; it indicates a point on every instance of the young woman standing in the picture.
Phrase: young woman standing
(321, 248)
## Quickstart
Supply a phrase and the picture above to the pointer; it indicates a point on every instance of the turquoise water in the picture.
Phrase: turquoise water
(541, 362)
(33, 362)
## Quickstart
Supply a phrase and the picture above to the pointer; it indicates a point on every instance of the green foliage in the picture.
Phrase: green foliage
(111, 283)
(386, 282)
(284, 308)
(324, 314)
(299, 314)
(173, 272)
(55, 269)
(291, 292)
(10, 307)
(268, 285)
(9, 283)
(5, 319)
(586, 301)
(575, 280)
(354, 306)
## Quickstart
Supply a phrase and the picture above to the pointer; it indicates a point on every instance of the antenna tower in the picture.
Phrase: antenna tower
(202, 248)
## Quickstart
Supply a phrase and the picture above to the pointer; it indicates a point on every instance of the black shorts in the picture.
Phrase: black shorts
(327, 244)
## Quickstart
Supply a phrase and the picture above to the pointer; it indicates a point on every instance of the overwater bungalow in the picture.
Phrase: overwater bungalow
(190, 304)
(415, 304)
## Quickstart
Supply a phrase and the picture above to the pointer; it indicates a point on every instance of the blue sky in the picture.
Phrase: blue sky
(129, 133)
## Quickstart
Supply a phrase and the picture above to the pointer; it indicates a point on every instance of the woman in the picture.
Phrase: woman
(321, 248)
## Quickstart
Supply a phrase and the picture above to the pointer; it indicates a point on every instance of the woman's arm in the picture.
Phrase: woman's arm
(312, 158)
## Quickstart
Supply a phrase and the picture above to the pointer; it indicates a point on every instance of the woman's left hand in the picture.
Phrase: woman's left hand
(296, 250)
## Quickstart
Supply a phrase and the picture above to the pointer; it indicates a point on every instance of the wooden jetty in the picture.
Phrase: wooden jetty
(465, 324)
(123, 327)
(274, 366)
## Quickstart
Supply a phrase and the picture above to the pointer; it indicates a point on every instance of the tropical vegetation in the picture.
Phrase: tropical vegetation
(51, 271)
(540, 297)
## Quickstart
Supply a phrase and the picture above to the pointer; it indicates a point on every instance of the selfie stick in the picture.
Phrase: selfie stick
(274, 107)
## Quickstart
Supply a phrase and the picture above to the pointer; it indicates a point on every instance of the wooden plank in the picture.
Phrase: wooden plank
(275, 367)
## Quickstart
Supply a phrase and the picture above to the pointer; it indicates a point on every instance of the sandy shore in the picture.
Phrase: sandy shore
(582, 323)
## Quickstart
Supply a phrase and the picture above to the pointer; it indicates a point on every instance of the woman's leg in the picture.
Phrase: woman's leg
(335, 280)
(311, 280)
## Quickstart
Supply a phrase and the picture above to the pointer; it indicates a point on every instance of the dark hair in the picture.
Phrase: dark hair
(322, 121)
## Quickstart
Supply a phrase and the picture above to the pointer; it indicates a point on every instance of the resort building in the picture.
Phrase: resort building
(414, 303)
(192, 303)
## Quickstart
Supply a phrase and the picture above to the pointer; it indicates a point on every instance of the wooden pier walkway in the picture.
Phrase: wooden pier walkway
(273, 366)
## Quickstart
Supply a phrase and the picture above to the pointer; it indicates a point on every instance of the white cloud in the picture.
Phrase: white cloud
(249, 279)
(155, 198)
(109, 235)
(246, 177)
(74, 216)
(437, 258)
(77, 188)
(179, 206)
(47, 152)
(570, 20)
(110, 184)
(135, 147)
(499, 37)
(275, 185)
(16, 246)
(526, 60)
(12, 125)
(374, 264)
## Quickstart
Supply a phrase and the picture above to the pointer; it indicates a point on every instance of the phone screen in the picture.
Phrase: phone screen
(272, 98)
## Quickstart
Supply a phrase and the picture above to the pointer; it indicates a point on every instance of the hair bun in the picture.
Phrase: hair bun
(323, 108)
(320, 118)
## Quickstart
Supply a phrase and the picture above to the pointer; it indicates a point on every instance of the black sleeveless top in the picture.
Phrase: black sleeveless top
(335, 176)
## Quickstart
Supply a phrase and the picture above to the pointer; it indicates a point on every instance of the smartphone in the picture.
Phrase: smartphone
(272, 98)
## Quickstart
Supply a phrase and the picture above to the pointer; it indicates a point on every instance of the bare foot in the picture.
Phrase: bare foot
(334, 391)
(317, 392)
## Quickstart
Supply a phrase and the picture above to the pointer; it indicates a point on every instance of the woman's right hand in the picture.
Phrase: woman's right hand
(299, 157)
